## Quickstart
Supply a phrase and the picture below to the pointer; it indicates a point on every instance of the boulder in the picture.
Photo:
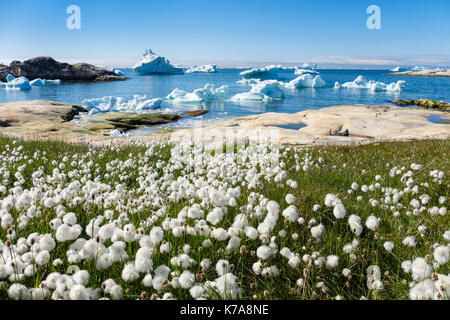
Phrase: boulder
(49, 68)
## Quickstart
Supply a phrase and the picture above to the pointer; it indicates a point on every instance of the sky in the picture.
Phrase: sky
(229, 33)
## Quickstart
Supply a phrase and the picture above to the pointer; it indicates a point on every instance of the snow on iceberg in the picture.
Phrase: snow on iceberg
(107, 104)
(154, 64)
(20, 83)
(207, 68)
(305, 81)
(269, 72)
(263, 91)
(43, 82)
(362, 83)
(207, 93)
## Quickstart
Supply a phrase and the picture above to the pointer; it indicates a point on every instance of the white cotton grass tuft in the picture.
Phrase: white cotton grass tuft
(372, 223)
(339, 211)
(388, 245)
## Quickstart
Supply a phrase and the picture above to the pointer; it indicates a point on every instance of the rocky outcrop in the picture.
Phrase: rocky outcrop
(49, 68)
(194, 113)
(423, 73)
(110, 78)
(424, 103)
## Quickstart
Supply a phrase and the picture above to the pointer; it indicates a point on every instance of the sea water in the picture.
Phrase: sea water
(159, 86)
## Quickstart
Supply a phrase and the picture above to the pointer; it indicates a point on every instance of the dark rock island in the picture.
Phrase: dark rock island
(49, 68)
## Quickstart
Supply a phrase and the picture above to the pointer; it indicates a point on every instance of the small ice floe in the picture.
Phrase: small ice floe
(398, 69)
(264, 91)
(43, 82)
(305, 71)
(154, 64)
(208, 93)
(306, 80)
(269, 72)
(362, 83)
(119, 72)
(109, 103)
(207, 68)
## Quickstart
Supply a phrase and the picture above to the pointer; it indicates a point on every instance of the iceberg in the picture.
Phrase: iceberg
(305, 81)
(269, 72)
(10, 78)
(43, 82)
(207, 68)
(20, 83)
(119, 72)
(263, 91)
(305, 71)
(154, 64)
(398, 69)
(207, 93)
(109, 103)
(362, 83)
(306, 65)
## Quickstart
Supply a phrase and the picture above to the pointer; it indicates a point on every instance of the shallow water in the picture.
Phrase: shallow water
(290, 126)
(435, 118)
(155, 86)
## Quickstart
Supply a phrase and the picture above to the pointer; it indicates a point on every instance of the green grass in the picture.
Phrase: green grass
(362, 164)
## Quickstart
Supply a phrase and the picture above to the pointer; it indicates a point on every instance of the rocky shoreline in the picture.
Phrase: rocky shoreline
(49, 68)
(340, 125)
(422, 73)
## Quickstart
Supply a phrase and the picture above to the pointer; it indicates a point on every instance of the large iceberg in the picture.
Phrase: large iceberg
(107, 104)
(305, 81)
(269, 72)
(207, 93)
(43, 82)
(154, 64)
(207, 68)
(263, 91)
(362, 83)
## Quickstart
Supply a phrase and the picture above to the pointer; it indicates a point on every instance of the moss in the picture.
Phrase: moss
(424, 103)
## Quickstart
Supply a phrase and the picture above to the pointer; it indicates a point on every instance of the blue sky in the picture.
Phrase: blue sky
(230, 32)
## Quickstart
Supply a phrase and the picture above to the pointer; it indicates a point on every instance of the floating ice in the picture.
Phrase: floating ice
(207, 93)
(269, 72)
(264, 91)
(43, 82)
(119, 72)
(398, 69)
(152, 63)
(10, 78)
(107, 104)
(306, 65)
(305, 71)
(207, 68)
(305, 81)
(20, 83)
(362, 83)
